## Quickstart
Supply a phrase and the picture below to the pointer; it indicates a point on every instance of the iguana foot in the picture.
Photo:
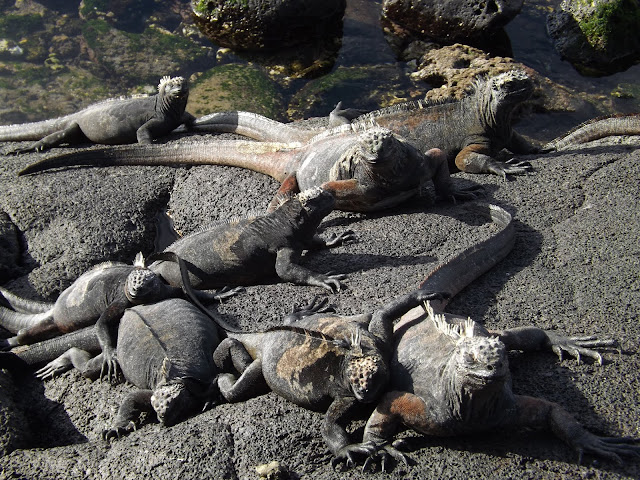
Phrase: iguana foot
(110, 367)
(508, 167)
(467, 193)
(117, 431)
(331, 282)
(611, 448)
(53, 368)
(347, 453)
(221, 294)
(317, 305)
(340, 239)
(578, 346)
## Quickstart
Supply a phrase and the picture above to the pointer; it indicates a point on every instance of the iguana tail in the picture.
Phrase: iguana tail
(601, 127)
(251, 125)
(47, 350)
(273, 159)
(23, 305)
(16, 321)
(31, 131)
(454, 275)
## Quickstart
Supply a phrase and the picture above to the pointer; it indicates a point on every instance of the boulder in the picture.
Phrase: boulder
(448, 21)
(599, 37)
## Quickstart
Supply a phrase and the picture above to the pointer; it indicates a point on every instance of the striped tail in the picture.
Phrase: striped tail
(47, 350)
(253, 126)
(31, 131)
(595, 129)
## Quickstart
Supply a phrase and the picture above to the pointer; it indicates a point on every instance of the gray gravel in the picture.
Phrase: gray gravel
(575, 268)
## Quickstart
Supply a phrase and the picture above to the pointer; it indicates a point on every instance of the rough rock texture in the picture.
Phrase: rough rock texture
(574, 268)
(267, 24)
(597, 37)
(450, 20)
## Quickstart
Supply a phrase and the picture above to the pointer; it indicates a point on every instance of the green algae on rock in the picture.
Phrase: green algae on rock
(235, 87)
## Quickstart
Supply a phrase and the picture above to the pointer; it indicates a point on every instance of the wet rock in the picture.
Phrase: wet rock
(448, 21)
(365, 87)
(121, 53)
(598, 37)
(235, 87)
(267, 24)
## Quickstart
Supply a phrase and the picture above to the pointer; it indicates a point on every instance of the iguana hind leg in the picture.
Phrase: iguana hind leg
(70, 134)
(251, 383)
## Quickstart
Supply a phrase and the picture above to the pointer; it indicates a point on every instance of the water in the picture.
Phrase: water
(52, 83)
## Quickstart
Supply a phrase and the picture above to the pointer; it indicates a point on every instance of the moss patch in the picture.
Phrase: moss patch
(615, 23)
(235, 87)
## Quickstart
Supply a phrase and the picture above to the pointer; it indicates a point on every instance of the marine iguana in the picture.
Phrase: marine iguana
(250, 250)
(344, 362)
(99, 296)
(450, 375)
(366, 169)
(165, 349)
(470, 131)
(596, 128)
(318, 360)
(114, 121)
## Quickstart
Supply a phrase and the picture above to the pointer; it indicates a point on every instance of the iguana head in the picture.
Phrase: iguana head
(366, 371)
(511, 87)
(317, 202)
(173, 88)
(173, 402)
(480, 362)
(142, 284)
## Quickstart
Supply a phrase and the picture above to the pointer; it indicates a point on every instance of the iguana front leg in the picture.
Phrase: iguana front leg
(476, 158)
(532, 338)
(381, 324)
(332, 433)
(105, 331)
(537, 412)
(394, 408)
(288, 188)
(288, 269)
(125, 422)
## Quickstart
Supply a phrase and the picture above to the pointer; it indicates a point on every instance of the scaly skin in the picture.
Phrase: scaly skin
(170, 361)
(111, 122)
(318, 360)
(470, 131)
(595, 129)
(450, 376)
(99, 296)
(366, 169)
(252, 250)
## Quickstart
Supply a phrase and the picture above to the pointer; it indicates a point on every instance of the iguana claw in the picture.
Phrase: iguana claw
(110, 366)
(578, 346)
(340, 239)
(53, 368)
(346, 453)
(610, 448)
(118, 430)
